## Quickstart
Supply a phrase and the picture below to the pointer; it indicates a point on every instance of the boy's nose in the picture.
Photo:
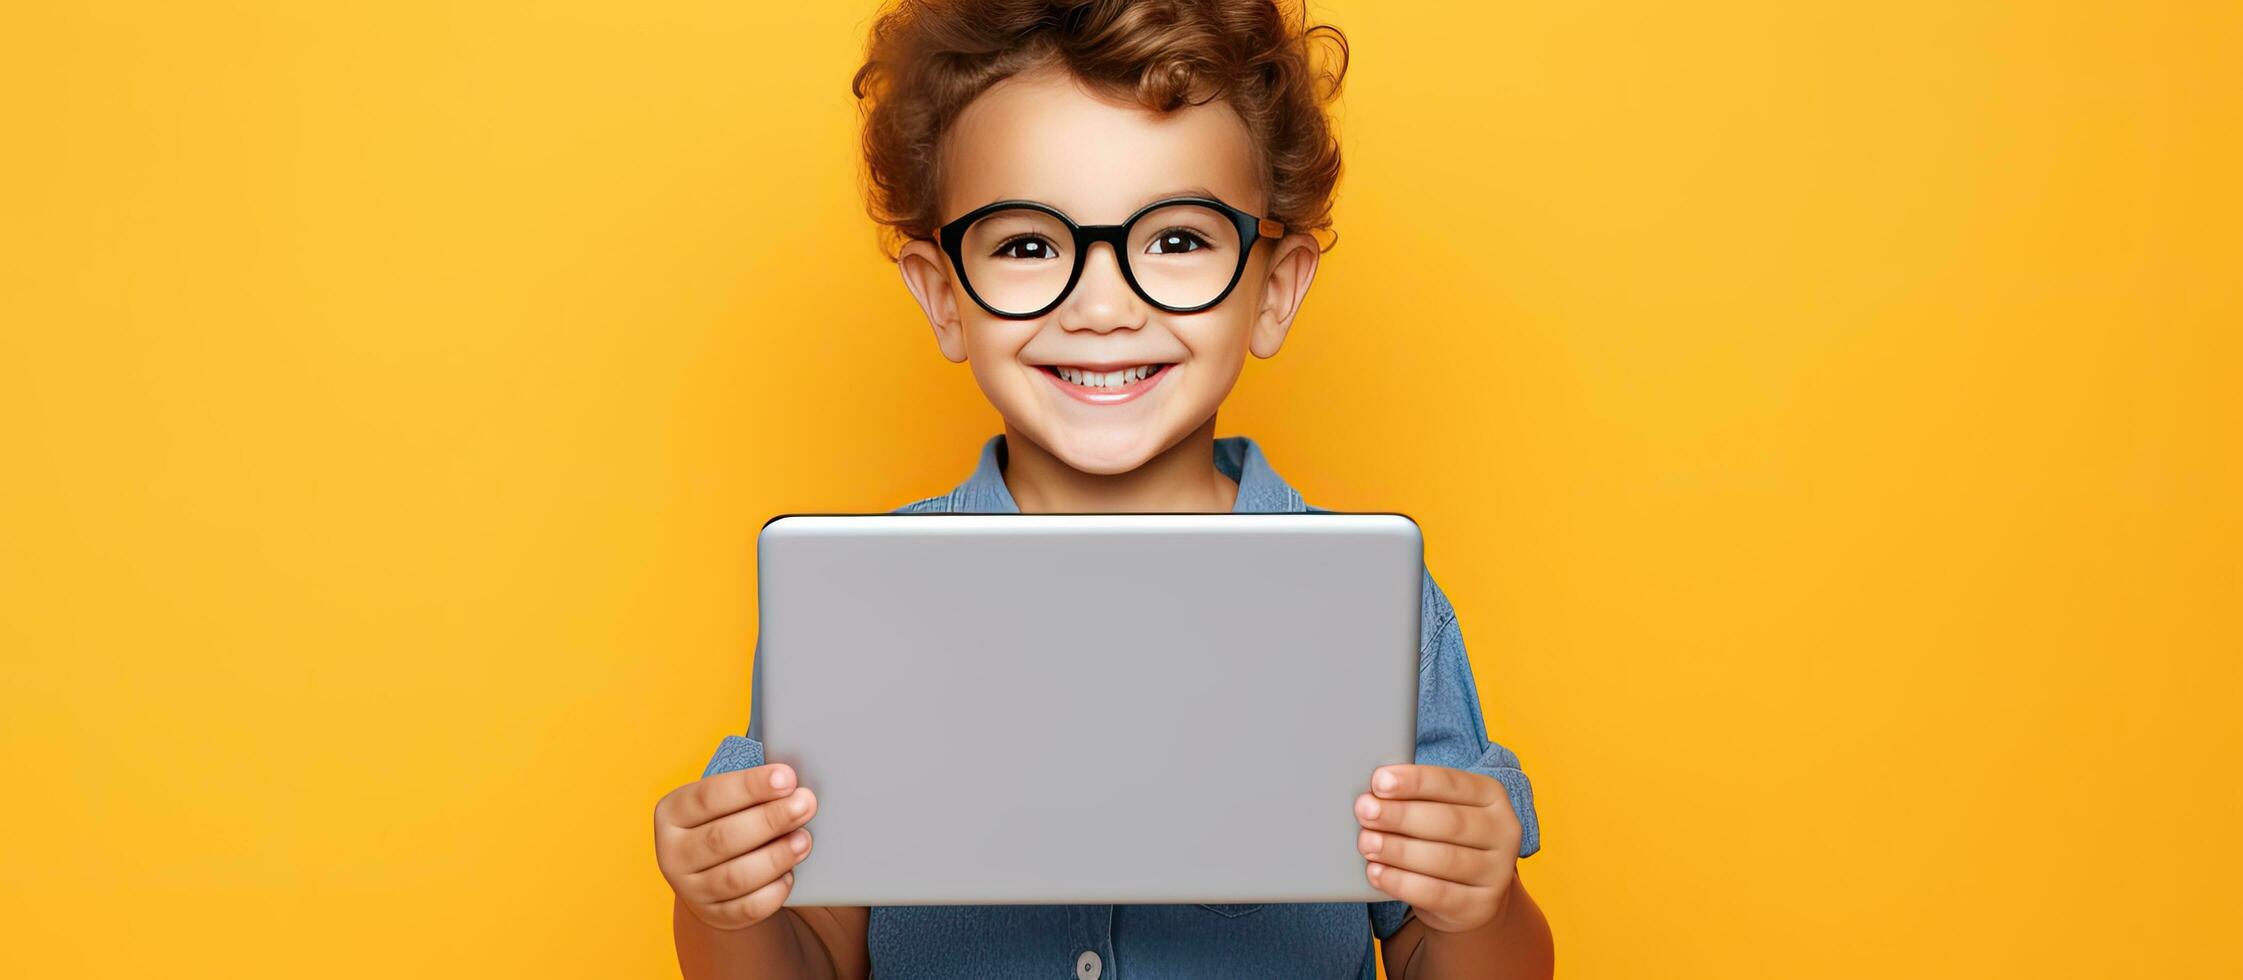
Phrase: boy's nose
(1102, 300)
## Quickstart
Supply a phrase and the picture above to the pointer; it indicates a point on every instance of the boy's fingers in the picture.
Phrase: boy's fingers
(1439, 859)
(749, 909)
(1435, 783)
(742, 875)
(1425, 891)
(725, 793)
(725, 838)
(1471, 826)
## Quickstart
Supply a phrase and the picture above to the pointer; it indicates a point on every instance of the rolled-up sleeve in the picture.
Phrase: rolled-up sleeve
(734, 754)
(1452, 732)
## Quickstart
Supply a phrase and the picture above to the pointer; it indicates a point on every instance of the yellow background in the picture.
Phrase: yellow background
(1824, 417)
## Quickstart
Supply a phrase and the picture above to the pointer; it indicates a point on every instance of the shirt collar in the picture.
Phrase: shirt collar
(1260, 489)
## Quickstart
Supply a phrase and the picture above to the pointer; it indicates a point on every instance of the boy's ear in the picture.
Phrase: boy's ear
(1291, 267)
(926, 272)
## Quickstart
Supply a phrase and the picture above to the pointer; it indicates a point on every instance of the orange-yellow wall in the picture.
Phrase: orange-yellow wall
(1824, 416)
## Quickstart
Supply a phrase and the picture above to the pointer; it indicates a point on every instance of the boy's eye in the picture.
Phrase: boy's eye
(1178, 240)
(1026, 247)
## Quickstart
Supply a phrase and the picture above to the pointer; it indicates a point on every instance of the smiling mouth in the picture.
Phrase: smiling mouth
(1128, 377)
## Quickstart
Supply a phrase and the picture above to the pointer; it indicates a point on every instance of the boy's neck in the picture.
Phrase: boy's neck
(1182, 479)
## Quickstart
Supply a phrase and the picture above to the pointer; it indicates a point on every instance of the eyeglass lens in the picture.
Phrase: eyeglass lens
(1182, 255)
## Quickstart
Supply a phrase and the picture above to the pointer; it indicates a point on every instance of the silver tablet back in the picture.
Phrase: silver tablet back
(1094, 709)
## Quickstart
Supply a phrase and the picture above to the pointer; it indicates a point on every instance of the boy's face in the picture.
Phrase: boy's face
(1040, 136)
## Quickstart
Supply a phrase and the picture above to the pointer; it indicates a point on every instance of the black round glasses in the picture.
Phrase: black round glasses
(1018, 259)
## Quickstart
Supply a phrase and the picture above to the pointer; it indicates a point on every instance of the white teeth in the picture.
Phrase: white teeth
(1105, 379)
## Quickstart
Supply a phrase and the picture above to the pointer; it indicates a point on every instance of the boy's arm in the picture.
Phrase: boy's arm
(1515, 945)
(809, 941)
(1453, 733)
(806, 942)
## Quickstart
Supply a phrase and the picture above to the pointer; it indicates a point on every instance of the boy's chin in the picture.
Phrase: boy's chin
(1102, 453)
(1103, 463)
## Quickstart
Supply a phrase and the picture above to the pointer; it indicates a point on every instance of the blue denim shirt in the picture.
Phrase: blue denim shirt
(1142, 942)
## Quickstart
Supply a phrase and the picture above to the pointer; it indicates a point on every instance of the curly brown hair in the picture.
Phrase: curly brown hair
(927, 59)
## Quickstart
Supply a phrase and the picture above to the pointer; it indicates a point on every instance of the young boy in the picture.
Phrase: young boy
(1104, 206)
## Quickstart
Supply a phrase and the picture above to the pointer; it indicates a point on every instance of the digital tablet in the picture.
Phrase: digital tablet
(1086, 708)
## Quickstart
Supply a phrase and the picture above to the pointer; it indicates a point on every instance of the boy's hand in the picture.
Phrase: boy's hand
(1444, 840)
(728, 844)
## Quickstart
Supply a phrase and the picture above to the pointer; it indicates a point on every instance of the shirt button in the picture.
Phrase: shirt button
(1087, 966)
